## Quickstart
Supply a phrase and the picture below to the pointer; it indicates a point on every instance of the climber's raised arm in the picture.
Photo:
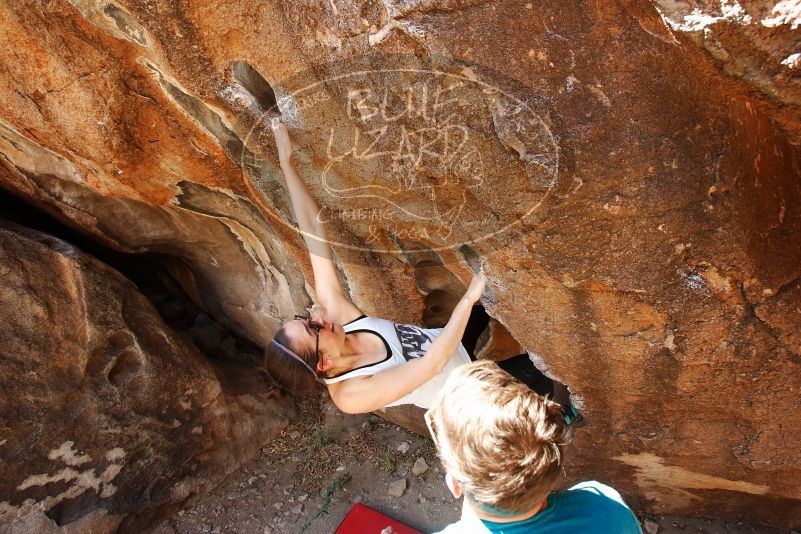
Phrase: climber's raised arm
(365, 394)
(330, 296)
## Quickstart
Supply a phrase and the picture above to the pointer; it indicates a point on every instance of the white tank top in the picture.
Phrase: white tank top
(404, 342)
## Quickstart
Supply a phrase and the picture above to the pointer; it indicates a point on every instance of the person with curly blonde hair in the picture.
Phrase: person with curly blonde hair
(501, 445)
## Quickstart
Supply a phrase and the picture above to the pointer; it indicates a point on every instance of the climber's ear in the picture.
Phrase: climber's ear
(325, 363)
(453, 485)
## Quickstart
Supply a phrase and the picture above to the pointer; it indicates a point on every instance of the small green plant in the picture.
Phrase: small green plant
(325, 501)
(320, 438)
(387, 462)
(314, 460)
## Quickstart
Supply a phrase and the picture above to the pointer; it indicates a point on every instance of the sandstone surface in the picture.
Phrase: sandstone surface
(108, 419)
(633, 197)
(754, 41)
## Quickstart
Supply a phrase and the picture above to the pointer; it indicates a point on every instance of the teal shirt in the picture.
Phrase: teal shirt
(585, 507)
(588, 507)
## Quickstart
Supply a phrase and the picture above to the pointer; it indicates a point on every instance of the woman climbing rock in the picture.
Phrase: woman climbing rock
(366, 362)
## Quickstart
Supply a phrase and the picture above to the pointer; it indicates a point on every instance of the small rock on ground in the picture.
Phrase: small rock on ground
(651, 527)
(397, 488)
(420, 466)
(403, 448)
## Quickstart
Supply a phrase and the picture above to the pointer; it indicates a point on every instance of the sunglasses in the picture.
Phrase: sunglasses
(314, 328)
(428, 416)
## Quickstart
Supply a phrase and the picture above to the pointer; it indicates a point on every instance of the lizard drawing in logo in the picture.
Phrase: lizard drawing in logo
(416, 157)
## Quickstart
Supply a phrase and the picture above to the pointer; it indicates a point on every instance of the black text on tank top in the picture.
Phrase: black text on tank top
(413, 340)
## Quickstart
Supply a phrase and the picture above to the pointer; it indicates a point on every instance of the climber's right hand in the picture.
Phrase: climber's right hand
(476, 288)
(282, 140)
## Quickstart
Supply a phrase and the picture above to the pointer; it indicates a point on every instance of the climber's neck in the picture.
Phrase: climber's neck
(486, 516)
(359, 349)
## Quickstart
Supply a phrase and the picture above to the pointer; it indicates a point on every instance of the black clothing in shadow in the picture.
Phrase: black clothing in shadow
(519, 366)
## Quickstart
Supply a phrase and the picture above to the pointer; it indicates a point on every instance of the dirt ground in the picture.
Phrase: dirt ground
(307, 479)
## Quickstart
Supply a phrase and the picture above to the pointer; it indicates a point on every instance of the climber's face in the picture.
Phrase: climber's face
(316, 335)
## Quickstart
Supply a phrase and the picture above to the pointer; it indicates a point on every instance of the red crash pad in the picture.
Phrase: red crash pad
(364, 520)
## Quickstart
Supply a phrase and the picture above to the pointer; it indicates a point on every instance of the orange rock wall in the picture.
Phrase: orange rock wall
(635, 207)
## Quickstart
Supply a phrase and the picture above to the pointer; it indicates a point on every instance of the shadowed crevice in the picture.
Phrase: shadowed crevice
(154, 275)
(255, 84)
(126, 23)
(208, 119)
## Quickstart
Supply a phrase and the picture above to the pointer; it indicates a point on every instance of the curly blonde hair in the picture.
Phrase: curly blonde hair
(499, 439)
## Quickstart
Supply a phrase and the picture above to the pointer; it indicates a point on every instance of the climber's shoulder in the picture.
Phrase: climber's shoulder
(341, 310)
(330, 294)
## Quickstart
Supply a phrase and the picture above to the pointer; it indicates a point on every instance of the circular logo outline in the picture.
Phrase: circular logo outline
(291, 97)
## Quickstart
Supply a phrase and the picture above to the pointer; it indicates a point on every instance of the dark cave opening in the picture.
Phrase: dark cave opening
(152, 276)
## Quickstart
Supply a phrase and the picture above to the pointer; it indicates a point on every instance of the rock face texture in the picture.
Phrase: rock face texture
(754, 41)
(633, 197)
(109, 419)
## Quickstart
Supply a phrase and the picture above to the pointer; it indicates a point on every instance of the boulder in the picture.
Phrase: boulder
(632, 196)
(108, 419)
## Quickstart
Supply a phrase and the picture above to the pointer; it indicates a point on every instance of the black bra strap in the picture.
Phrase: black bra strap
(362, 316)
